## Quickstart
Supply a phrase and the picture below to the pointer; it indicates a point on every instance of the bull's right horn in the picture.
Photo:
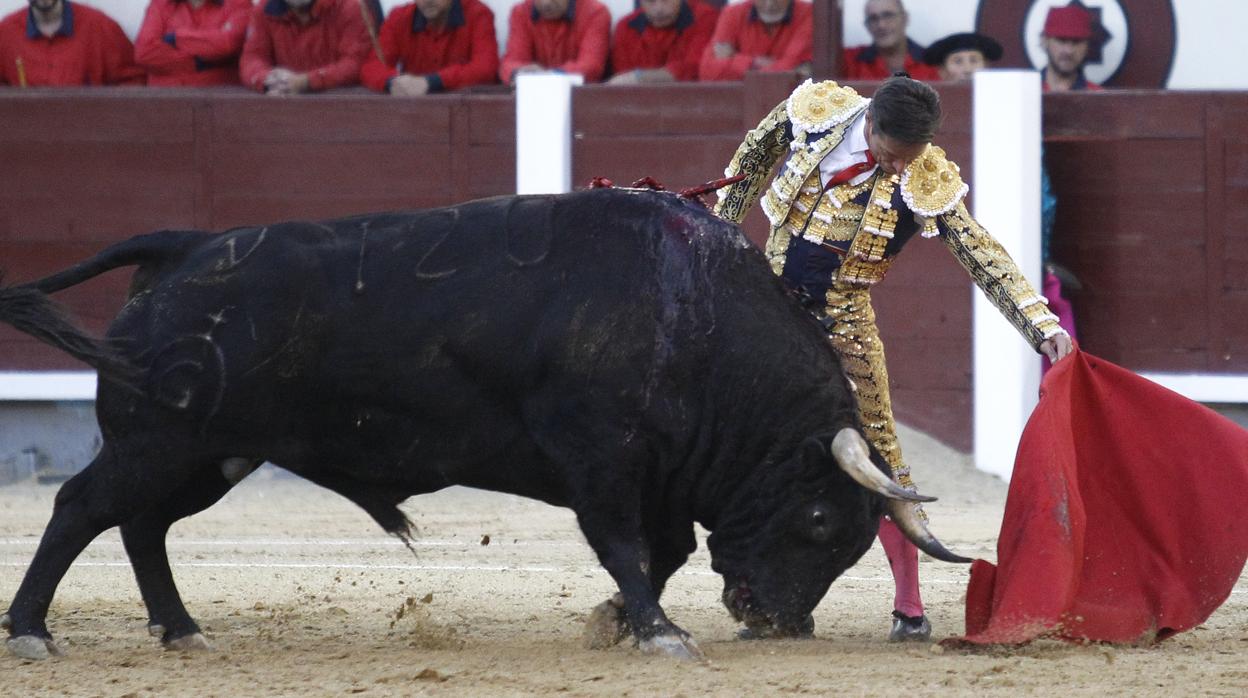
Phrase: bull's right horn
(906, 516)
(851, 453)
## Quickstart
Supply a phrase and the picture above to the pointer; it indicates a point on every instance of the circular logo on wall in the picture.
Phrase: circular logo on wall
(1132, 42)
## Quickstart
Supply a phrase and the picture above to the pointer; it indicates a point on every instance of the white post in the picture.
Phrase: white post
(1006, 193)
(544, 132)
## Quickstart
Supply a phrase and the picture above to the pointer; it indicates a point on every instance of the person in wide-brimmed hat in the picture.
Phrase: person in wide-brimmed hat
(958, 56)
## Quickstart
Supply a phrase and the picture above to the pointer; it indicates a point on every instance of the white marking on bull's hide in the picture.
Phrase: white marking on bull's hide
(217, 319)
(232, 259)
(359, 268)
(545, 233)
(186, 393)
(420, 273)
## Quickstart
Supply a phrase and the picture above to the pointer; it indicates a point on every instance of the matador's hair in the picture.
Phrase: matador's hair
(906, 109)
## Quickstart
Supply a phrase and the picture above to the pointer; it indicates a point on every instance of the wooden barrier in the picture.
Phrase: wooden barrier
(1152, 189)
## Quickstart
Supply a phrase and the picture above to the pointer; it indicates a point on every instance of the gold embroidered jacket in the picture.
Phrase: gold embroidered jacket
(868, 223)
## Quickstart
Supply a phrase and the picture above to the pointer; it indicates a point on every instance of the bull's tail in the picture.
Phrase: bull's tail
(29, 309)
(142, 250)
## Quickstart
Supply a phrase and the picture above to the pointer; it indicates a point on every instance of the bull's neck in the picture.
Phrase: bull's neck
(742, 459)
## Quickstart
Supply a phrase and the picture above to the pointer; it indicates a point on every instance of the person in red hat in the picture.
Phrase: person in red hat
(1067, 31)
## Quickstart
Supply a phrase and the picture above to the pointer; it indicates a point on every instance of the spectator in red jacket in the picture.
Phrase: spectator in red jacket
(890, 50)
(63, 43)
(296, 46)
(434, 45)
(569, 36)
(661, 41)
(192, 42)
(765, 35)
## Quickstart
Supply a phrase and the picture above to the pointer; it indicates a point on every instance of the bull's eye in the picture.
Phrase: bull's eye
(818, 531)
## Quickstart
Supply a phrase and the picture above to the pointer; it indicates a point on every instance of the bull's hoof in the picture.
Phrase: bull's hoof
(5, 622)
(156, 630)
(673, 646)
(195, 642)
(33, 647)
(606, 626)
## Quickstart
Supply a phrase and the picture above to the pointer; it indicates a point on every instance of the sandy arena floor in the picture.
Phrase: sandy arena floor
(300, 593)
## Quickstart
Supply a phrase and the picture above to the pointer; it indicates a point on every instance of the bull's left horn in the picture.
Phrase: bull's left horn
(906, 516)
(850, 451)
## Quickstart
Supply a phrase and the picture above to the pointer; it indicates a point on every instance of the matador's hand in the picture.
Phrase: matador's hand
(1057, 347)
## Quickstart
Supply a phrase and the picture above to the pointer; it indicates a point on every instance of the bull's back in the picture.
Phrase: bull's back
(497, 292)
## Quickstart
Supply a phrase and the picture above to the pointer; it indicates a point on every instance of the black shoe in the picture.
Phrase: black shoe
(910, 628)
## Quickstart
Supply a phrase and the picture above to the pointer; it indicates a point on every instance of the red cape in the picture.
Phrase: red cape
(1125, 520)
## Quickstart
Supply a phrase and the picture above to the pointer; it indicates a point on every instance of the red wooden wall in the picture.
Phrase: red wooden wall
(1153, 218)
(1152, 187)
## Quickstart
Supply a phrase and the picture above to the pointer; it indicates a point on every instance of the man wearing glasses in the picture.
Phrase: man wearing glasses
(890, 50)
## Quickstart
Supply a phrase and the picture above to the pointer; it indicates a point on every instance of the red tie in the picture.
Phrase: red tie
(852, 171)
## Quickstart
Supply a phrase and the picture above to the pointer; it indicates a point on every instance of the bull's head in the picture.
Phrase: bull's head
(800, 524)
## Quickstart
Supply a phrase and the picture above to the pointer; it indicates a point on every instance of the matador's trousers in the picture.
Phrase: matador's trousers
(856, 338)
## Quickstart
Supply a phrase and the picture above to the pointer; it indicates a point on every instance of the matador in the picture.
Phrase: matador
(859, 179)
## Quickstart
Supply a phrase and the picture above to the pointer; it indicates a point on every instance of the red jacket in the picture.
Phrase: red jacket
(790, 45)
(866, 63)
(89, 49)
(575, 43)
(462, 53)
(330, 49)
(677, 48)
(182, 45)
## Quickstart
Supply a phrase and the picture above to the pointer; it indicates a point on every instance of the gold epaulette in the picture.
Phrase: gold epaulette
(932, 184)
(815, 107)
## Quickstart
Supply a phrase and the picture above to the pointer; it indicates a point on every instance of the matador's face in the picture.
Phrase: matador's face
(892, 155)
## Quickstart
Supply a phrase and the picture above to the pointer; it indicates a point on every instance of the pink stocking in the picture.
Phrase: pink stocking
(903, 558)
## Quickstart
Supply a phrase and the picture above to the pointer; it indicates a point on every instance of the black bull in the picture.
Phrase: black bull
(622, 353)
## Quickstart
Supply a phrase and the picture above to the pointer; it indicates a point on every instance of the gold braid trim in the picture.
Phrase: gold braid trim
(999, 277)
(815, 107)
(932, 184)
(856, 339)
(755, 158)
(804, 159)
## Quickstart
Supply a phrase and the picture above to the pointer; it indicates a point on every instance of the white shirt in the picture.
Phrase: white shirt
(852, 149)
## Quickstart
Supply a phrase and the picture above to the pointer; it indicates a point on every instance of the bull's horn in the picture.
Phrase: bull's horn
(906, 516)
(850, 451)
